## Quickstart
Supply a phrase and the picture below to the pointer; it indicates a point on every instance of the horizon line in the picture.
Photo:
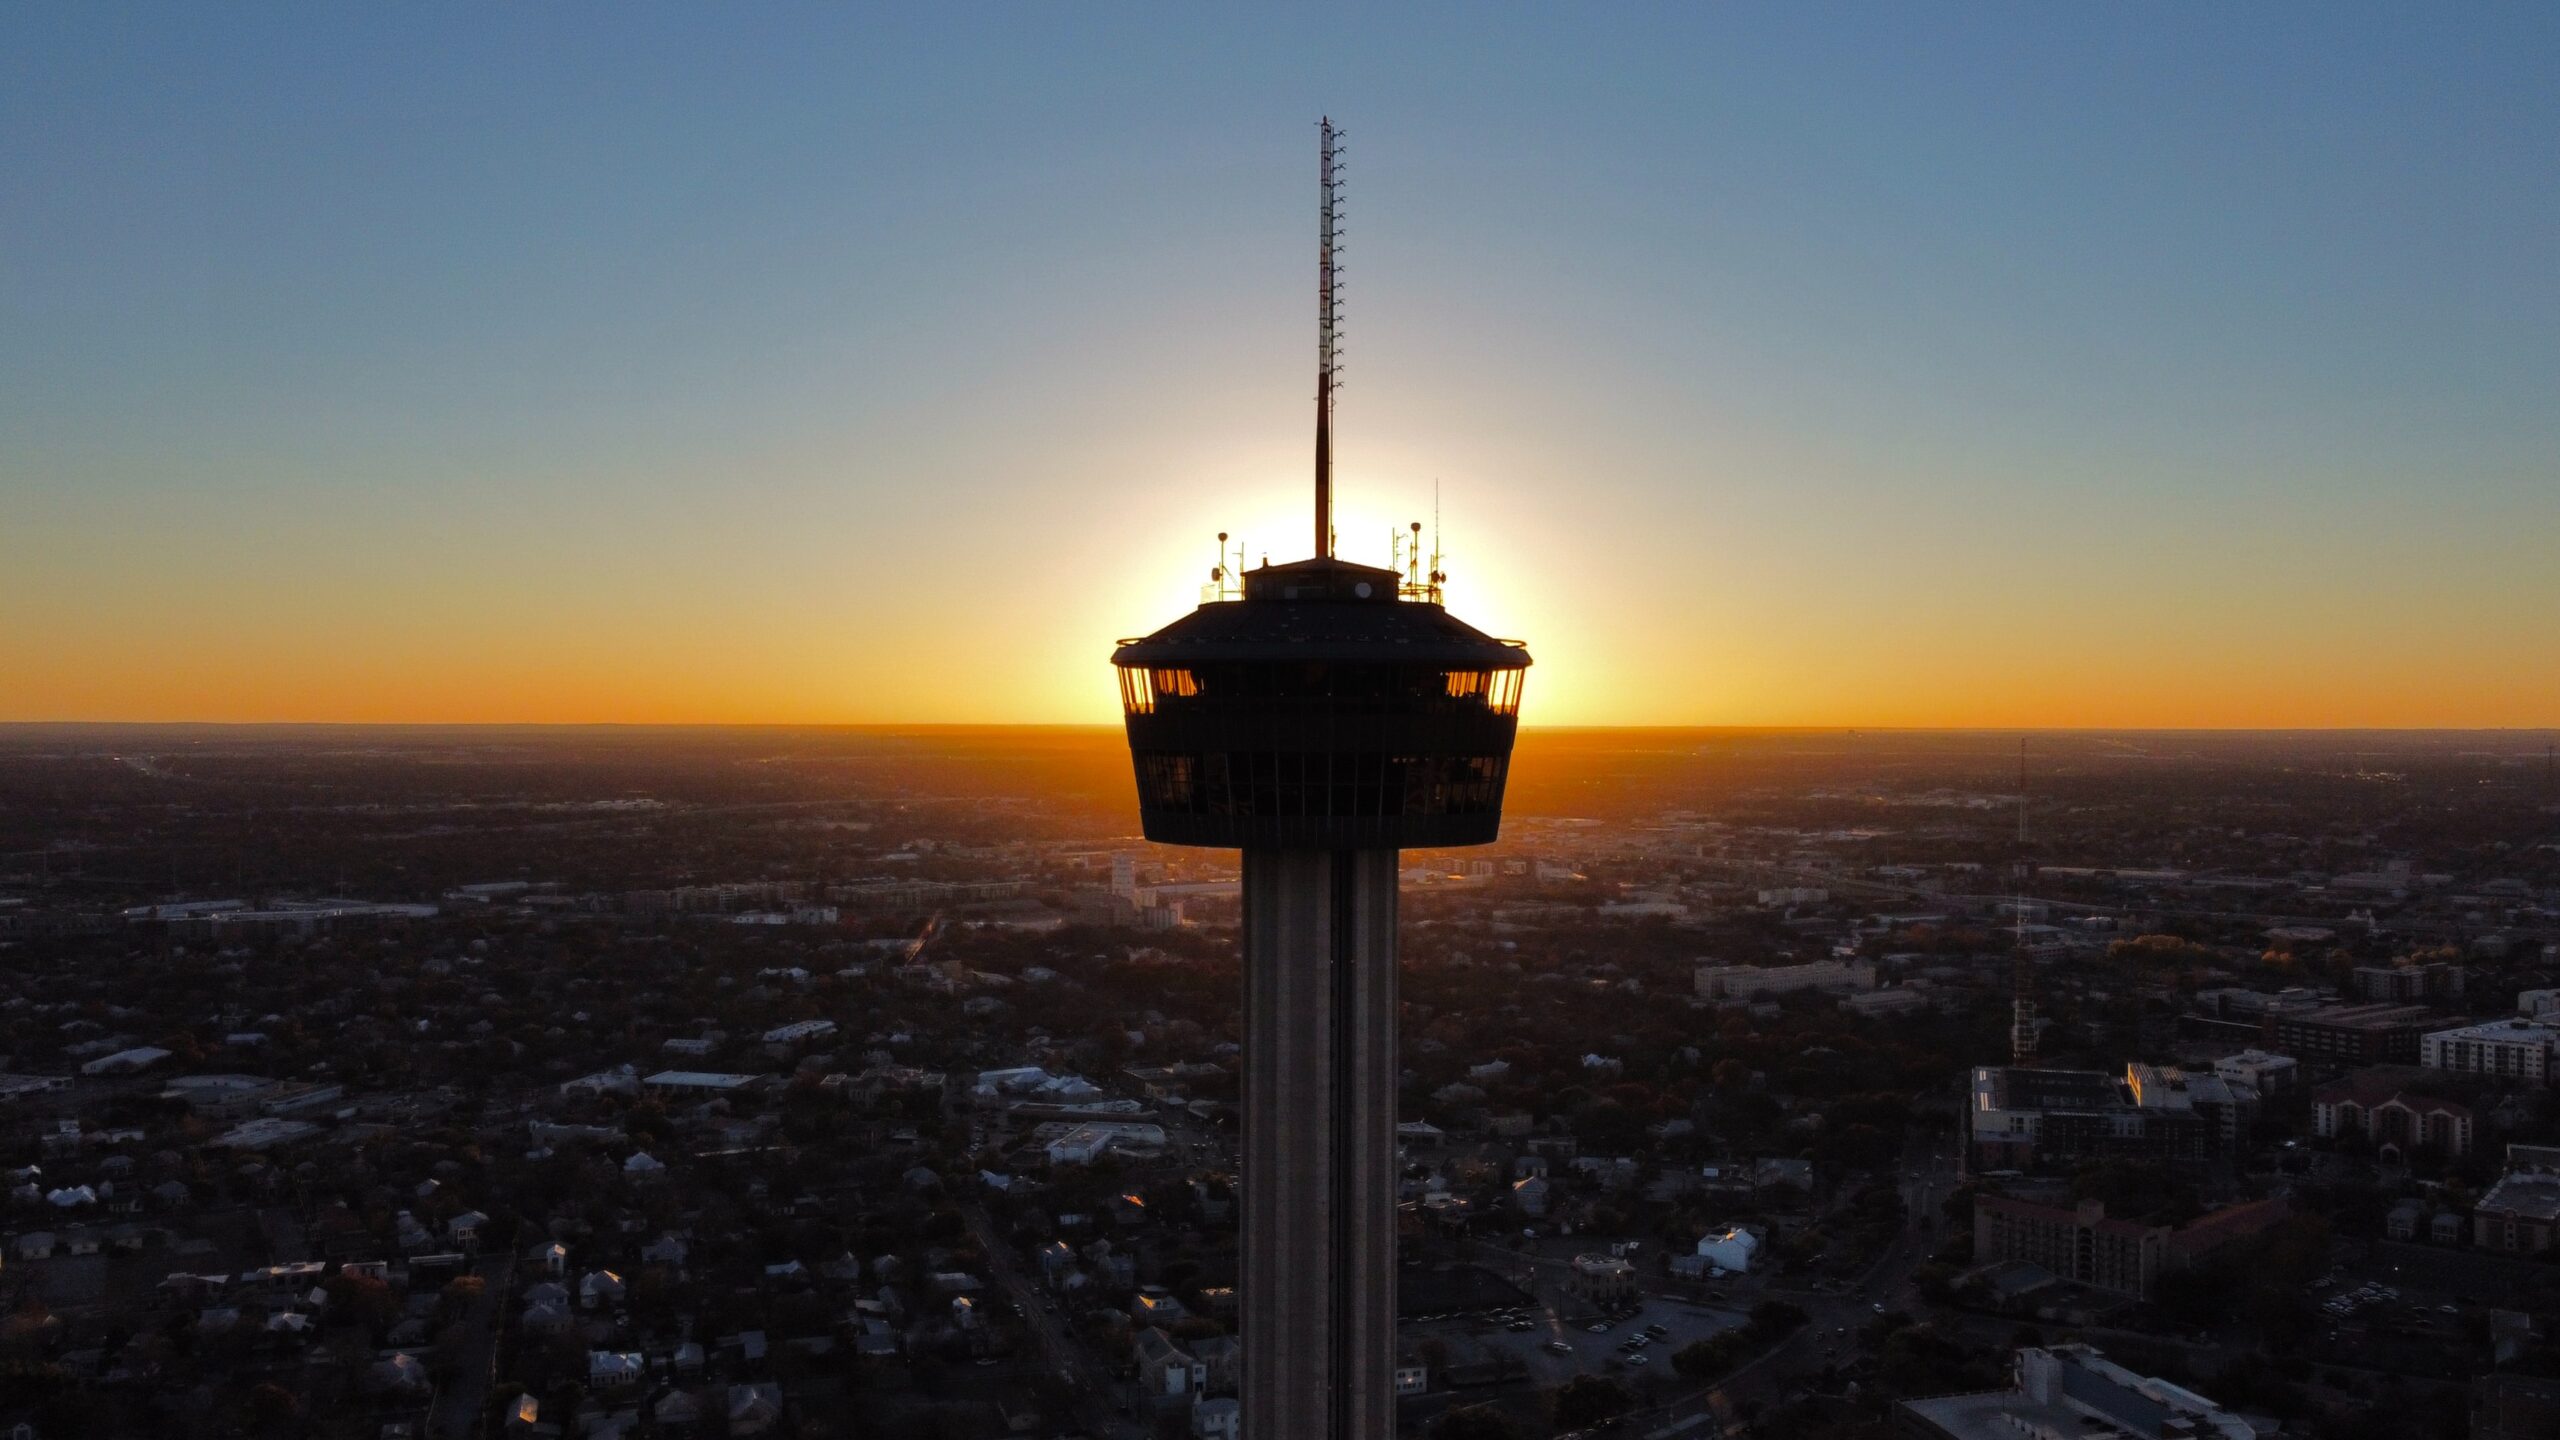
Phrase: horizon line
(913, 727)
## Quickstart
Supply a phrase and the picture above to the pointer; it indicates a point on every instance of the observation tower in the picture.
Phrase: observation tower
(1320, 717)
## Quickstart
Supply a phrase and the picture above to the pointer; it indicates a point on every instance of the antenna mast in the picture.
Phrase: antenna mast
(1328, 329)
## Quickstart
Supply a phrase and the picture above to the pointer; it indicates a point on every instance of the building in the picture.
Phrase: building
(141, 1057)
(2519, 1213)
(2073, 1391)
(1166, 1371)
(1730, 1249)
(2084, 1244)
(1900, 1000)
(2351, 1034)
(1221, 1419)
(1604, 1281)
(2165, 1089)
(698, 1082)
(2404, 984)
(2500, 1049)
(1084, 1144)
(2378, 1104)
(2018, 1119)
(2515, 1407)
(1746, 982)
(1321, 717)
(2263, 1073)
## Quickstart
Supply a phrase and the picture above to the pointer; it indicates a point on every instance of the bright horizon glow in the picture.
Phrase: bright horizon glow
(1779, 367)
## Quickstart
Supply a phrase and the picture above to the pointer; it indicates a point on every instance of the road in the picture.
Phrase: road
(459, 1406)
(1059, 1353)
(1928, 1173)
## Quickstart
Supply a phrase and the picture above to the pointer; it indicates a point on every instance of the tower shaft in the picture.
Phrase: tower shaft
(1319, 1229)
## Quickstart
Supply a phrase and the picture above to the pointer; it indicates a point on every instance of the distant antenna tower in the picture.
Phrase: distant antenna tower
(1439, 574)
(2022, 965)
(1328, 329)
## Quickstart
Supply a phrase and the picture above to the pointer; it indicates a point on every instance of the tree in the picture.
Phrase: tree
(271, 1407)
(1588, 1400)
(1473, 1422)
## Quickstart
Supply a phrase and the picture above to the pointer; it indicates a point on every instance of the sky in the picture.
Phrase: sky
(2000, 365)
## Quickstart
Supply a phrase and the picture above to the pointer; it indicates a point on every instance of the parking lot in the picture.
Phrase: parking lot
(1554, 1351)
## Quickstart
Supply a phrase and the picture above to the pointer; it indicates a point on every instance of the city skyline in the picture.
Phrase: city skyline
(1961, 368)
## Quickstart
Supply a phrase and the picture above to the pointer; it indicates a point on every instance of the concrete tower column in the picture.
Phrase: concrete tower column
(1319, 1181)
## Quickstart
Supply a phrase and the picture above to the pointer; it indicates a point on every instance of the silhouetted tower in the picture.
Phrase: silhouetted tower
(2022, 965)
(1322, 721)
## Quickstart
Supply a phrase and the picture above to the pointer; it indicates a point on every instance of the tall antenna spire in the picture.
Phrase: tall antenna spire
(1328, 329)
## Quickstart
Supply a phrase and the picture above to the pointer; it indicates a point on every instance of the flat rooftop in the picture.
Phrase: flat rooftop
(2005, 1415)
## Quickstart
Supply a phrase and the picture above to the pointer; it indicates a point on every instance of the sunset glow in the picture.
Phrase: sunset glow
(794, 381)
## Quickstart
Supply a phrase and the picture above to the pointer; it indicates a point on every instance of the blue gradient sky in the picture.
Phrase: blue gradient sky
(1864, 365)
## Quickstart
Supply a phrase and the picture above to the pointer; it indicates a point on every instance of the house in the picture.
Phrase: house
(1166, 1371)
(1155, 1305)
(1529, 1196)
(600, 1288)
(1729, 1250)
(2403, 1221)
(401, 1374)
(465, 1229)
(677, 1411)
(1221, 1360)
(615, 1369)
(1413, 1375)
(754, 1409)
(1216, 1420)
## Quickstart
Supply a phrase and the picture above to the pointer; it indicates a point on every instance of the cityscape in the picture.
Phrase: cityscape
(824, 1082)
(694, 743)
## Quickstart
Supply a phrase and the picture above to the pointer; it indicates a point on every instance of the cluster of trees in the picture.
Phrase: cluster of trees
(1710, 1359)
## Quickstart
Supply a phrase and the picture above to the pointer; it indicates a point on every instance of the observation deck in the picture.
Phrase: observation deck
(1321, 711)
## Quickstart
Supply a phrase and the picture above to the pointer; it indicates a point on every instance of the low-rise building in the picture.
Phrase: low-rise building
(2263, 1072)
(1744, 982)
(2073, 1391)
(1730, 1249)
(1606, 1281)
(2520, 1213)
